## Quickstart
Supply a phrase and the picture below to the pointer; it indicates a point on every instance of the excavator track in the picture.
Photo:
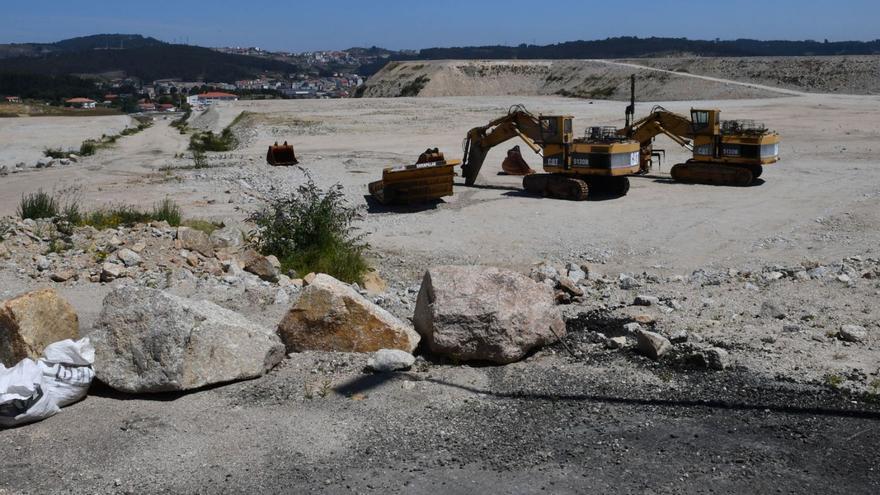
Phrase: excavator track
(713, 174)
(556, 186)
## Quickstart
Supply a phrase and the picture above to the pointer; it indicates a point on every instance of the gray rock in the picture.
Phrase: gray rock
(544, 272)
(229, 237)
(387, 360)
(642, 300)
(632, 329)
(791, 328)
(617, 343)
(576, 275)
(717, 358)
(147, 340)
(853, 333)
(652, 344)
(771, 310)
(475, 313)
(627, 282)
(128, 257)
(43, 263)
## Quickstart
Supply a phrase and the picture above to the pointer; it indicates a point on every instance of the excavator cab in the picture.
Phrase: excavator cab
(706, 122)
(556, 129)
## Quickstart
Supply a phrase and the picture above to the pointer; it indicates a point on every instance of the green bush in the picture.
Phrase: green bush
(312, 231)
(88, 148)
(208, 141)
(128, 215)
(37, 205)
(167, 211)
(55, 153)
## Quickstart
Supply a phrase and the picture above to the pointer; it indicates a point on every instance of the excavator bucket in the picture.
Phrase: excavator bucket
(514, 164)
(422, 182)
(281, 155)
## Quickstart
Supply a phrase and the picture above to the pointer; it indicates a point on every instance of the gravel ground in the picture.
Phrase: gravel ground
(795, 411)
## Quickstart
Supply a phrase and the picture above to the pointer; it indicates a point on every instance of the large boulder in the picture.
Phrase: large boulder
(474, 313)
(148, 340)
(31, 321)
(331, 316)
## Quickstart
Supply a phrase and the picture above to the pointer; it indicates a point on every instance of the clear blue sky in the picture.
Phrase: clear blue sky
(328, 24)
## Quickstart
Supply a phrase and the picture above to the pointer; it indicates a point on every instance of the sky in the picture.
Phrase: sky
(413, 24)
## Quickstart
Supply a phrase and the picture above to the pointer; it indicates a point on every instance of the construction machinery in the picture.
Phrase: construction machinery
(281, 155)
(430, 178)
(514, 164)
(576, 168)
(728, 153)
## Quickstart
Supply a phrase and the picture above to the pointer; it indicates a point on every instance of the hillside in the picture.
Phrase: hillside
(576, 78)
(676, 79)
(627, 46)
(143, 58)
(94, 42)
(149, 63)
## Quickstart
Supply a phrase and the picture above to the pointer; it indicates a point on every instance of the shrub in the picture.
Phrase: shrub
(88, 148)
(200, 160)
(208, 141)
(204, 225)
(312, 231)
(128, 215)
(167, 211)
(37, 205)
(55, 153)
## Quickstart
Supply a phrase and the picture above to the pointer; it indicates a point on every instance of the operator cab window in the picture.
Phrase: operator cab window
(549, 129)
(700, 118)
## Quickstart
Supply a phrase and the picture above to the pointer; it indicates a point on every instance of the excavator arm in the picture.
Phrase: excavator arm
(517, 123)
(660, 121)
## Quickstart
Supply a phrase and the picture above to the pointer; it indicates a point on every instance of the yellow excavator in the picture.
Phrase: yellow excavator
(727, 153)
(576, 168)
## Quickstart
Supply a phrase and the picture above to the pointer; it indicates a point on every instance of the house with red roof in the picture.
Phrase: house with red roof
(81, 102)
(13, 99)
(210, 98)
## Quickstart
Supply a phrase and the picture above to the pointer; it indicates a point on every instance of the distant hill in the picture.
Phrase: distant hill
(94, 42)
(634, 47)
(136, 56)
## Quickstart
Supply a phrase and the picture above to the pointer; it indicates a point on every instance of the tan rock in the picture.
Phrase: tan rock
(259, 265)
(139, 247)
(30, 322)
(63, 275)
(4, 251)
(373, 284)
(195, 240)
(645, 319)
(111, 271)
(331, 316)
(308, 279)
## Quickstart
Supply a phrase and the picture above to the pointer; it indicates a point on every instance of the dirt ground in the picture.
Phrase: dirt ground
(599, 421)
